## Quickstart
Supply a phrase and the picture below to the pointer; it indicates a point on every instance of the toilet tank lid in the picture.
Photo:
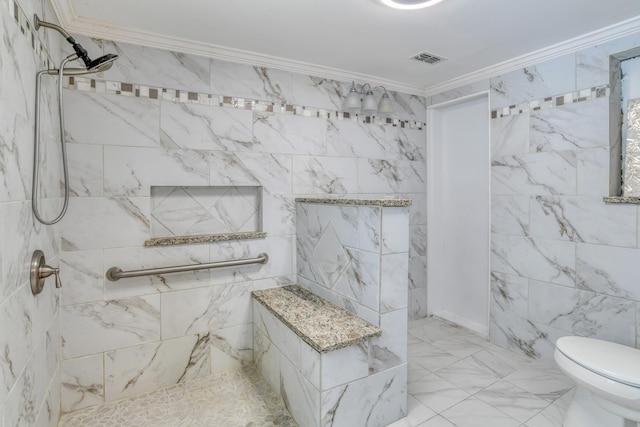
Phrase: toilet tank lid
(614, 361)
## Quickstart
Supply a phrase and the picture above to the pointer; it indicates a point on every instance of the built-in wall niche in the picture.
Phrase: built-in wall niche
(205, 213)
(624, 126)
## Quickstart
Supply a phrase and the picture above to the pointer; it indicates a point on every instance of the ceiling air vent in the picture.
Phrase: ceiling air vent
(429, 58)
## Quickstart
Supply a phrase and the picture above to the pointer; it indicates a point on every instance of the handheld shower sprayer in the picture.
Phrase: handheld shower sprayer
(102, 63)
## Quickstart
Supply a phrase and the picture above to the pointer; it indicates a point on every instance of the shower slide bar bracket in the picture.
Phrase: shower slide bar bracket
(115, 273)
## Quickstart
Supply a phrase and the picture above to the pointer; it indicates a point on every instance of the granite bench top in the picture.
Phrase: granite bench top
(321, 324)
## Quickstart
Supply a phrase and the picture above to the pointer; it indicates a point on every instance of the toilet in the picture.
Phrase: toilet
(608, 382)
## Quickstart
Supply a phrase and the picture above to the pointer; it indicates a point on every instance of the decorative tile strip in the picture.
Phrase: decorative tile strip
(87, 84)
(553, 101)
(385, 203)
(27, 30)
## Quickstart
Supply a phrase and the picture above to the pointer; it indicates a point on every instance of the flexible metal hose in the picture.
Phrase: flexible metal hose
(36, 149)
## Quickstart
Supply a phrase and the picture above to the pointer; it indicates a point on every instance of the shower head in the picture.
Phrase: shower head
(101, 64)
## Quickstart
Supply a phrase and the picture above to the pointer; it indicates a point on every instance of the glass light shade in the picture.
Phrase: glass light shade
(385, 107)
(352, 101)
(369, 104)
(410, 4)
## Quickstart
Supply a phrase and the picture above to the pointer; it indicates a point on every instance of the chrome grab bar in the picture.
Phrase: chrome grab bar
(115, 273)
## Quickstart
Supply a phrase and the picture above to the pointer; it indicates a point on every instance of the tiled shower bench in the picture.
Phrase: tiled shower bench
(317, 357)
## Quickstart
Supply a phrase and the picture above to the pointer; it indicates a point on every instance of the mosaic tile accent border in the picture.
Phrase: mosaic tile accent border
(553, 101)
(24, 23)
(87, 84)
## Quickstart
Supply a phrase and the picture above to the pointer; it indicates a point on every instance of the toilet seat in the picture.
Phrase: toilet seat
(610, 360)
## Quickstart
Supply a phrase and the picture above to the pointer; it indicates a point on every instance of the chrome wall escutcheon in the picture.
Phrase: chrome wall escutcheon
(40, 271)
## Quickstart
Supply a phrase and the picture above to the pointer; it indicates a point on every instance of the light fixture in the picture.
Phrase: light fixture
(364, 101)
(410, 4)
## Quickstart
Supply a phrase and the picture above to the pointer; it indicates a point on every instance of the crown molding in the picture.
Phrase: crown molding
(573, 45)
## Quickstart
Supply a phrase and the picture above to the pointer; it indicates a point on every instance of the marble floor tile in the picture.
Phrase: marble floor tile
(511, 400)
(469, 375)
(430, 357)
(476, 413)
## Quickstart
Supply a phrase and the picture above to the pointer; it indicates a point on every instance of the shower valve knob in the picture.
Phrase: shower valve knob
(40, 271)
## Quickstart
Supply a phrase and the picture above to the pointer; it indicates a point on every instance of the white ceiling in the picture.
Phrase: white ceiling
(360, 39)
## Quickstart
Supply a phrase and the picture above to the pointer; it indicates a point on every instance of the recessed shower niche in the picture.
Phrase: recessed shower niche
(200, 211)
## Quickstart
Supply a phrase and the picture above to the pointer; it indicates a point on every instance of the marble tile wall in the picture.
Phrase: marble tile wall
(29, 326)
(563, 262)
(202, 122)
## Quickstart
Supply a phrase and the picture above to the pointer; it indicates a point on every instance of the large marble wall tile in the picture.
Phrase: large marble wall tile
(135, 370)
(278, 214)
(395, 231)
(85, 170)
(390, 349)
(300, 397)
(245, 81)
(20, 404)
(510, 135)
(325, 175)
(354, 139)
(592, 64)
(16, 342)
(131, 171)
(102, 326)
(272, 171)
(15, 132)
(394, 277)
(417, 272)
(461, 91)
(111, 120)
(524, 336)
(361, 281)
(608, 270)
(345, 303)
(202, 127)
(279, 248)
(19, 240)
(381, 399)
(281, 336)
(82, 382)
(509, 294)
(510, 214)
(201, 310)
(546, 173)
(593, 171)
(407, 144)
(579, 125)
(418, 241)
(545, 260)
(96, 222)
(155, 67)
(344, 365)
(266, 357)
(583, 219)
(583, 313)
(81, 273)
(289, 134)
(409, 107)
(231, 348)
(317, 92)
(153, 257)
(383, 176)
(553, 77)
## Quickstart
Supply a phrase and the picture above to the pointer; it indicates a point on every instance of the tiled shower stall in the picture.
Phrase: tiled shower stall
(563, 262)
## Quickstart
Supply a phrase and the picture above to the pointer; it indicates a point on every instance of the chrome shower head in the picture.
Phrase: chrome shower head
(101, 64)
